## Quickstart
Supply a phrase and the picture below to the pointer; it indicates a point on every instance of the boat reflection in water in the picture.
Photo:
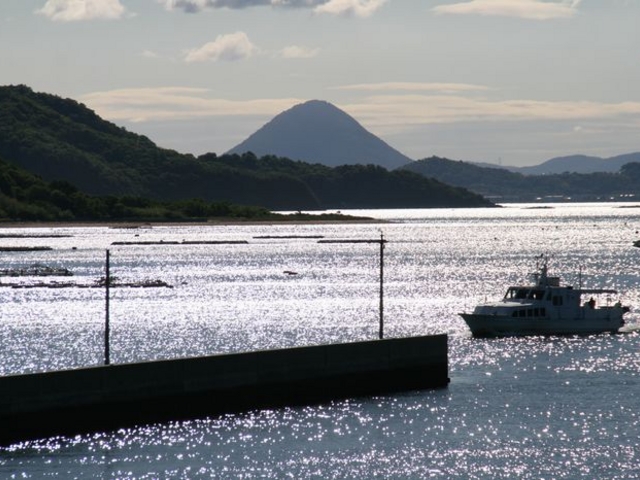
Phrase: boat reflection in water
(547, 308)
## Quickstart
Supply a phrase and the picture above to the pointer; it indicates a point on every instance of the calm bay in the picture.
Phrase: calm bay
(562, 408)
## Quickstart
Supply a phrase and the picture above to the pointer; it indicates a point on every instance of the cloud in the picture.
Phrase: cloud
(414, 109)
(359, 8)
(528, 9)
(413, 86)
(230, 47)
(150, 54)
(177, 103)
(295, 51)
(394, 111)
(78, 10)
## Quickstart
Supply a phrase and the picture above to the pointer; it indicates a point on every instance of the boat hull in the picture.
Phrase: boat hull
(482, 325)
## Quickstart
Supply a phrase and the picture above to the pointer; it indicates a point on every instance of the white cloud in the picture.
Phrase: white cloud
(150, 54)
(414, 86)
(406, 110)
(176, 103)
(77, 10)
(528, 9)
(230, 47)
(357, 8)
(295, 51)
(396, 111)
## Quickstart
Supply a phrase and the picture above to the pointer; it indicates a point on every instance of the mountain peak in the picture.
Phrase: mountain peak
(318, 132)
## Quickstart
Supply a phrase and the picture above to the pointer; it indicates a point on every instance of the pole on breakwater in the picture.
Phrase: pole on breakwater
(381, 333)
(107, 282)
(382, 241)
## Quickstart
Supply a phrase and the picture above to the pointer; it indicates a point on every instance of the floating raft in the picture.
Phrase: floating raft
(287, 236)
(24, 249)
(34, 235)
(142, 284)
(353, 241)
(36, 270)
(183, 242)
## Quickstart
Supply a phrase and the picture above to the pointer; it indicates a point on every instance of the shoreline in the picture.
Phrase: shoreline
(132, 225)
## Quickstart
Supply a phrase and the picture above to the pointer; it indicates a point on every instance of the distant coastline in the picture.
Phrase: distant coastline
(221, 221)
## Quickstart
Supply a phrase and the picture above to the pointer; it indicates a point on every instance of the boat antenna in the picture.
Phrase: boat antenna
(580, 277)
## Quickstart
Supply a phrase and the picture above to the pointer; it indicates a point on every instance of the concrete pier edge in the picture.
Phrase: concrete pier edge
(104, 398)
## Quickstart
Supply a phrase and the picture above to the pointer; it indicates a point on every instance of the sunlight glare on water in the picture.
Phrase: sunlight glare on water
(530, 408)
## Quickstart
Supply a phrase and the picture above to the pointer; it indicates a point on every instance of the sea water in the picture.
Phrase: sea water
(553, 408)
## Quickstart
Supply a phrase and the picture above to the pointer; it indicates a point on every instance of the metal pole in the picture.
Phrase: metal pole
(107, 282)
(381, 334)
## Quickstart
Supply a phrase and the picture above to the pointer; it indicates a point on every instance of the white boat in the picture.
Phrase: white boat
(547, 308)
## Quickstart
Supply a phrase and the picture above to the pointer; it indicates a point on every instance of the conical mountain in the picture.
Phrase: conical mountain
(318, 132)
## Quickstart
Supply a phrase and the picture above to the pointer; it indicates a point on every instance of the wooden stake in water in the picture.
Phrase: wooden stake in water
(107, 282)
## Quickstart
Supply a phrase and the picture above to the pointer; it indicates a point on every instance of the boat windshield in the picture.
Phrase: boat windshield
(519, 293)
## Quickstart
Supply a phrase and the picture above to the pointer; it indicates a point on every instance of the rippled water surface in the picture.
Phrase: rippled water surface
(562, 408)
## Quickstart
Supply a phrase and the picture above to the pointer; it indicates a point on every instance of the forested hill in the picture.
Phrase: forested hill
(26, 197)
(62, 140)
(358, 186)
(503, 185)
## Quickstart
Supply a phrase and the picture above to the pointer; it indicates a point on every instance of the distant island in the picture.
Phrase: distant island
(60, 160)
(578, 164)
(502, 185)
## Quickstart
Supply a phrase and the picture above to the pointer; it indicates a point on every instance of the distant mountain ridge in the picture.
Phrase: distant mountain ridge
(578, 164)
(318, 132)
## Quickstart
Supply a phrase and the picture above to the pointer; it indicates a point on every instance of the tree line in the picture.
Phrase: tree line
(27, 197)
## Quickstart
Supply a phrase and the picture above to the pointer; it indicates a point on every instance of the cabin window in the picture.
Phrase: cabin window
(557, 301)
(522, 313)
(529, 313)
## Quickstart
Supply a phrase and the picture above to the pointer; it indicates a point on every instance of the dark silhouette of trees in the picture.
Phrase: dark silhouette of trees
(61, 140)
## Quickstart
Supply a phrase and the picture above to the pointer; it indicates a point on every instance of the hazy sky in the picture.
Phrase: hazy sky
(502, 81)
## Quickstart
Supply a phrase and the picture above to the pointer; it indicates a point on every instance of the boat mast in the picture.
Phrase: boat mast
(580, 277)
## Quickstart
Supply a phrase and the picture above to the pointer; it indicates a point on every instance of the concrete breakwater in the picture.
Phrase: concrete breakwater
(109, 397)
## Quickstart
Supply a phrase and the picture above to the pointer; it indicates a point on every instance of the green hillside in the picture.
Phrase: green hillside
(62, 140)
(358, 186)
(26, 197)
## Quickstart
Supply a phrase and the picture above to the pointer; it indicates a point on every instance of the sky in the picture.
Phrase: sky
(510, 82)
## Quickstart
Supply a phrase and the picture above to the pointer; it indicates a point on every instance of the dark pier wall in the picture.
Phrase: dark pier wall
(109, 397)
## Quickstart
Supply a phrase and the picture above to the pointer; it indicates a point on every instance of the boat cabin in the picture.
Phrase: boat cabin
(556, 296)
(520, 293)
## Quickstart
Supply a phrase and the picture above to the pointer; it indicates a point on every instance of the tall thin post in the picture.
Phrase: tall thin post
(107, 282)
(381, 334)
